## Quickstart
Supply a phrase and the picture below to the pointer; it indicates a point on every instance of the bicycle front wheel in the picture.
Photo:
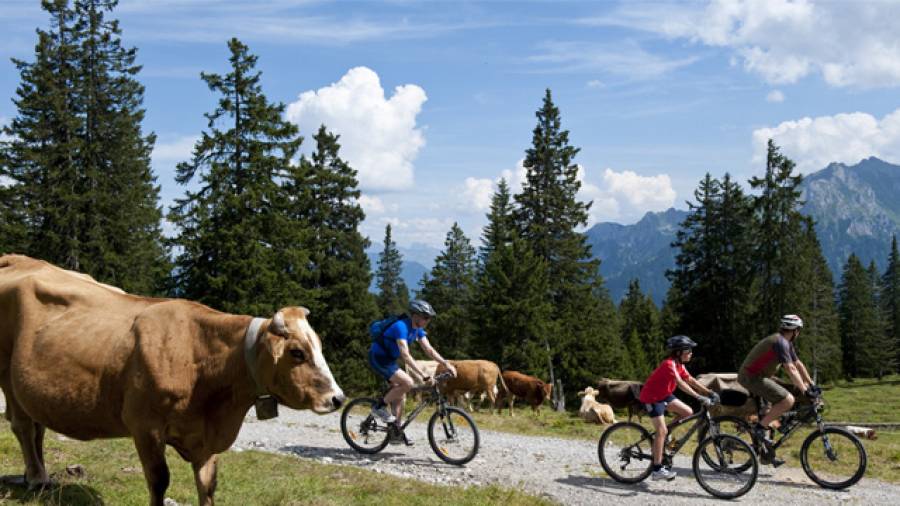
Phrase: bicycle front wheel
(733, 470)
(361, 429)
(453, 435)
(732, 425)
(625, 451)
(833, 458)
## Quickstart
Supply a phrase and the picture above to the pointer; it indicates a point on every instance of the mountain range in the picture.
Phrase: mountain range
(856, 209)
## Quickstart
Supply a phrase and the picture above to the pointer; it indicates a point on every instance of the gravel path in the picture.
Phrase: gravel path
(565, 471)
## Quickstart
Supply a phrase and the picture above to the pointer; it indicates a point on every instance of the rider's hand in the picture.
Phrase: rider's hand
(714, 397)
(816, 388)
(451, 369)
(812, 392)
(428, 380)
(706, 401)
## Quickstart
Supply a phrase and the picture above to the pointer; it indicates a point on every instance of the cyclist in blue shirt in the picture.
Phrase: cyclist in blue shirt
(383, 355)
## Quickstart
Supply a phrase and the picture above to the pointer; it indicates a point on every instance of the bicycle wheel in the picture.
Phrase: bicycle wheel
(734, 470)
(625, 451)
(363, 431)
(833, 458)
(731, 425)
(453, 436)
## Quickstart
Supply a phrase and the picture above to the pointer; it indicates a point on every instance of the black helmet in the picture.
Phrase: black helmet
(421, 307)
(679, 343)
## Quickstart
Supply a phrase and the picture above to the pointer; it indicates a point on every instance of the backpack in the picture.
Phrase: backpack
(379, 327)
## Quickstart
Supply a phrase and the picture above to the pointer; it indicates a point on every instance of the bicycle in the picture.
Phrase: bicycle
(625, 451)
(832, 457)
(452, 432)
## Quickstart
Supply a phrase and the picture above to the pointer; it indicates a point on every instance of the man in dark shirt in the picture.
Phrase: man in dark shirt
(763, 362)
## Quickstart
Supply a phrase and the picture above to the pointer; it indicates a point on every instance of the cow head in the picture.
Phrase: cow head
(291, 365)
(542, 391)
(588, 392)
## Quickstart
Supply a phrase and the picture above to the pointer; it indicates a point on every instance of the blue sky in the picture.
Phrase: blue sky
(435, 100)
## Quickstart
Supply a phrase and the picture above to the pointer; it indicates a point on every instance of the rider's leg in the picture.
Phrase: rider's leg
(659, 426)
(401, 383)
(777, 410)
(679, 409)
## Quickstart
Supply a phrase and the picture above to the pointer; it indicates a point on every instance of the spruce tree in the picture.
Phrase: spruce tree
(324, 196)
(861, 332)
(890, 300)
(500, 227)
(450, 288)
(641, 331)
(240, 250)
(393, 295)
(585, 341)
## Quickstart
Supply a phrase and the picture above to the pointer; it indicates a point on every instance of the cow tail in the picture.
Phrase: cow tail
(506, 391)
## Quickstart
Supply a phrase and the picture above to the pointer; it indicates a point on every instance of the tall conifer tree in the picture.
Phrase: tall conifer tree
(861, 331)
(393, 295)
(584, 332)
(241, 251)
(641, 331)
(450, 289)
(890, 300)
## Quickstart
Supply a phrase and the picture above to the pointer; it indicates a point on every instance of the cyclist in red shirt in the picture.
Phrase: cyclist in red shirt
(657, 396)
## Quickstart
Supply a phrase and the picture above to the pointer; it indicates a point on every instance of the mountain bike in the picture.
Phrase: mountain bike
(723, 464)
(452, 433)
(832, 457)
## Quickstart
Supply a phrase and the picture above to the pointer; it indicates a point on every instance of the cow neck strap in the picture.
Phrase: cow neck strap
(250, 341)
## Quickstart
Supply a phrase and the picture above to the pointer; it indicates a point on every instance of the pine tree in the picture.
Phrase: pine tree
(779, 224)
(547, 215)
(500, 228)
(861, 331)
(324, 195)
(393, 295)
(241, 251)
(449, 288)
(641, 331)
(890, 300)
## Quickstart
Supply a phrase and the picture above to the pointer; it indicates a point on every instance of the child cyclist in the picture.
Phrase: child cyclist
(657, 396)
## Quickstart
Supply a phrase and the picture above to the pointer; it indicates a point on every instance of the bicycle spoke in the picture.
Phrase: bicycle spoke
(625, 452)
(725, 466)
(454, 436)
(834, 458)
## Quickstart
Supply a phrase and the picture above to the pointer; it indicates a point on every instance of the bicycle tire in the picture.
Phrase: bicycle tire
(642, 435)
(723, 421)
(351, 434)
(433, 438)
(721, 444)
(834, 432)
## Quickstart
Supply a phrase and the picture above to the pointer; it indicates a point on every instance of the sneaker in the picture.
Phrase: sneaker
(761, 434)
(768, 458)
(663, 474)
(383, 414)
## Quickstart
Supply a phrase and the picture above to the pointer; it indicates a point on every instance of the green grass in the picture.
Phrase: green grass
(863, 400)
(113, 476)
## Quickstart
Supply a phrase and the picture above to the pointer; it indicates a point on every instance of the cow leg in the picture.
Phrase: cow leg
(152, 452)
(205, 478)
(31, 440)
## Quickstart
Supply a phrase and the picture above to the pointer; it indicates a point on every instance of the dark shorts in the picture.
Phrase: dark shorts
(385, 370)
(763, 387)
(655, 409)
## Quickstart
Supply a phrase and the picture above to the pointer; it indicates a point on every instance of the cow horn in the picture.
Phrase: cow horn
(278, 326)
(305, 311)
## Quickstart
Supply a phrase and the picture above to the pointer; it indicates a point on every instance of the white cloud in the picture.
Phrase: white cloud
(813, 143)
(775, 96)
(372, 205)
(174, 151)
(430, 231)
(850, 44)
(476, 194)
(379, 135)
(595, 83)
(626, 58)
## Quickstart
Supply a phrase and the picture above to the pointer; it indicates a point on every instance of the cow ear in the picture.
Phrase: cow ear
(579, 394)
(278, 326)
(305, 311)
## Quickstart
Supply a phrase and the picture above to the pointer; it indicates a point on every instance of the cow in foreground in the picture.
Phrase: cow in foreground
(621, 395)
(532, 390)
(592, 411)
(474, 377)
(93, 362)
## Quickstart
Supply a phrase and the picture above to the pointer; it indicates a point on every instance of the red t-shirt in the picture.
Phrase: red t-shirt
(661, 382)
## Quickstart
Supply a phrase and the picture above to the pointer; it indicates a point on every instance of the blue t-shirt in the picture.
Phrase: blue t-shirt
(401, 330)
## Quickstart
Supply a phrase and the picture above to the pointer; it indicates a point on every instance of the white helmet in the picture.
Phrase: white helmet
(791, 322)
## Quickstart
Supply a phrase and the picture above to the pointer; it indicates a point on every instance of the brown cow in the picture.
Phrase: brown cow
(475, 377)
(531, 389)
(621, 395)
(91, 362)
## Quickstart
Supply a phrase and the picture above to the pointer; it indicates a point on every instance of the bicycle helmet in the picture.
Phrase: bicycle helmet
(791, 322)
(679, 343)
(421, 307)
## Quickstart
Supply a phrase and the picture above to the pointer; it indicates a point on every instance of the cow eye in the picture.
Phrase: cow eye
(298, 355)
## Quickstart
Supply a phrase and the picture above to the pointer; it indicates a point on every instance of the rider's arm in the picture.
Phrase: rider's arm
(696, 385)
(685, 387)
(408, 358)
(803, 372)
(794, 375)
(431, 352)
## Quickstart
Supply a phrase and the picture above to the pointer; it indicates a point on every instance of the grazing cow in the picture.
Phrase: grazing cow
(621, 395)
(429, 367)
(531, 389)
(736, 400)
(592, 411)
(474, 377)
(93, 362)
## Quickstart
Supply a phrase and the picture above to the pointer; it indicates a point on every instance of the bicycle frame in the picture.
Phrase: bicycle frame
(435, 397)
(802, 418)
(701, 419)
